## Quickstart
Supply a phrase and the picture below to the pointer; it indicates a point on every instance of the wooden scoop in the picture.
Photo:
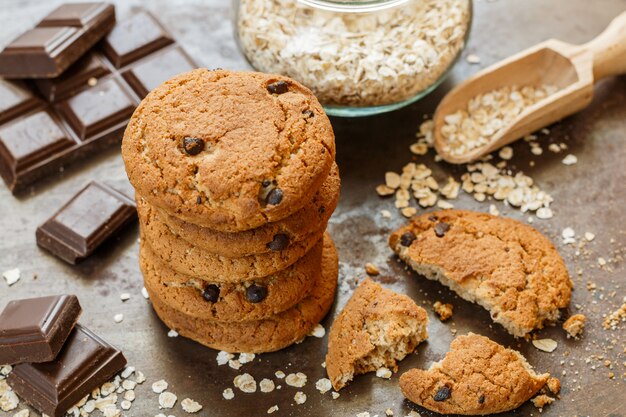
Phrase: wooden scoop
(571, 68)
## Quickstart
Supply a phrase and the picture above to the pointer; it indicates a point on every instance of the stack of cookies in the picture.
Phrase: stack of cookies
(235, 182)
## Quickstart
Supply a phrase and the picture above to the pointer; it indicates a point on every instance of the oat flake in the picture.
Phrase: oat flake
(546, 345)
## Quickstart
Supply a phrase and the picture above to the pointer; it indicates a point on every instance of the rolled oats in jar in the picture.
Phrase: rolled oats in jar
(359, 57)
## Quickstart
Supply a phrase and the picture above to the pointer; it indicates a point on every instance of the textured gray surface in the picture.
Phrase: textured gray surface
(589, 196)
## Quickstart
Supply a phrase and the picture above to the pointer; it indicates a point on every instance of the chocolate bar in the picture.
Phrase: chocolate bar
(86, 109)
(84, 363)
(92, 216)
(58, 41)
(34, 330)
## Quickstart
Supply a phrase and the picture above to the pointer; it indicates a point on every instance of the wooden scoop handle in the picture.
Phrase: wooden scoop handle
(609, 49)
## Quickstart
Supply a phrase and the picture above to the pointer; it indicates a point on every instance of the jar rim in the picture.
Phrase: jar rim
(352, 6)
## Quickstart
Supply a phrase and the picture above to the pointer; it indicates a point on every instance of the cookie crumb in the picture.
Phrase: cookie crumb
(125, 296)
(389, 412)
(554, 385)
(546, 345)
(371, 269)
(575, 325)
(383, 372)
(613, 320)
(145, 294)
(318, 331)
(570, 160)
(589, 236)
(444, 311)
(172, 333)
(541, 401)
(386, 214)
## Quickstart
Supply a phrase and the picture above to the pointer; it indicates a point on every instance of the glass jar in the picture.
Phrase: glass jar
(359, 57)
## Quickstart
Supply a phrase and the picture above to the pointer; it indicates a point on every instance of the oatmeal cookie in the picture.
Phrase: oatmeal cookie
(229, 150)
(375, 329)
(244, 301)
(476, 377)
(183, 257)
(267, 335)
(507, 267)
(305, 224)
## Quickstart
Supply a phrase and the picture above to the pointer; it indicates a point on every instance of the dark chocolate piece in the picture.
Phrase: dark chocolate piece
(279, 242)
(84, 363)
(58, 41)
(135, 38)
(211, 293)
(34, 330)
(85, 110)
(407, 238)
(93, 215)
(441, 229)
(256, 293)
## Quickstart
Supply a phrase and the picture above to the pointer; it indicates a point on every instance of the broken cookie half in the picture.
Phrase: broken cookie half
(506, 266)
(375, 329)
(477, 377)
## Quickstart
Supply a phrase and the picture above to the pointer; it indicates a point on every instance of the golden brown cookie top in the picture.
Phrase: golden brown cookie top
(376, 328)
(506, 266)
(229, 150)
(476, 377)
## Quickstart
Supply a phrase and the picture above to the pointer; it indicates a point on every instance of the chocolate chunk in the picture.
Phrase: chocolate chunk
(193, 146)
(198, 200)
(84, 363)
(87, 108)
(308, 113)
(58, 41)
(211, 293)
(433, 218)
(481, 399)
(266, 183)
(278, 87)
(407, 238)
(443, 393)
(34, 330)
(274, 197)
(256, 293)
(279, 242)
(441, 229)
(93, 215)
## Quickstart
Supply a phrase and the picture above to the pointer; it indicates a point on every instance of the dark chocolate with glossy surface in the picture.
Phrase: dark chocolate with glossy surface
(84, 363)
(92, 216)
(58, 41)
(34, 329)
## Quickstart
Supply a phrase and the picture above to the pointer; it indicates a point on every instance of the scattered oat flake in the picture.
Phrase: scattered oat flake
(473, 59)
(167, 400)
(389, 412)
(318, 331)
(493, 210)
(544, 213)
(300, 397)
(223, 357)
(246, 357)
(125, 405)
(159, 386)
(323, 385)
(245, 383)
(23, 413)
(383, 372)
(228, 394)
(118, 318)
(363, 414)
(386, 214)
(9, 401)
(11, 276)
(234, 364)
(279, 374)
(335, 395)
(601, 261)
(125, 296)
(371, 269)
(613, 320)
(172, 333)
(546, 345)
(190, 406)
(297, 380)
(570, 160)
(266, 385)
(589, 236)
(145, 294)
(272, 409)
(506, 153)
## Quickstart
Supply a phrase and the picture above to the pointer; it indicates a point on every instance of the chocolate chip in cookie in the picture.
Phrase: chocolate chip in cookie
(280, 242)
(441, 229)
(407, 238)
(256, 293)
(278, 87)
(308, 113)
(211, 293)
(442, 393)
(193, 146)
(274, 197)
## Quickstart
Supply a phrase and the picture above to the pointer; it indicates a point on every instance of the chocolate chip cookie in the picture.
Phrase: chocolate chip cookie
(476, 377)
(507, 267)
(245, 301)
(267, 335)
(188, 259)
(228, 151)
(307, 224)
(375, 329)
